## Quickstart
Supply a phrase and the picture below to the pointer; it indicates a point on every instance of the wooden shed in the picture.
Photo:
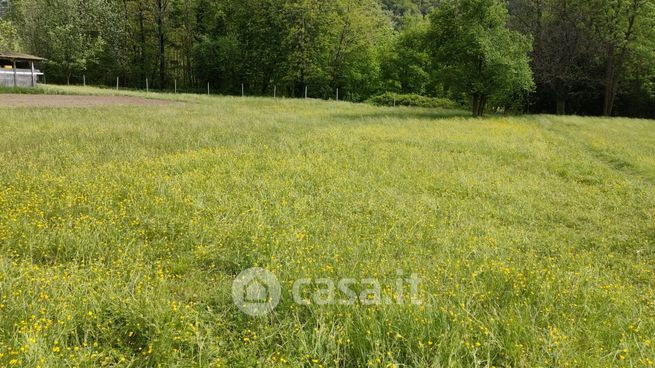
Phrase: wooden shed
(17, 70)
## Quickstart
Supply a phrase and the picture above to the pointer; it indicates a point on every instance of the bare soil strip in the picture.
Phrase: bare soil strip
(19, 100)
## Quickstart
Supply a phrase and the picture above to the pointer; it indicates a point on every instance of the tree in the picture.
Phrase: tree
(8, 36)
(583, 48)
(307, 41)
(562, 44)
(161, 17)
(636, 92)
(617, 25)
(475, 53)
(5, 5)
(404, 12)
(589, 57)
(57, 33)
(71, 34)
(183, 23)
(360, 26)
(406, 62)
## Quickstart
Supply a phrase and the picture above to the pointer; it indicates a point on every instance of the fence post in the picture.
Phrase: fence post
(243, 93)
(117, 83)
(275, 91)
(33, 80)
(176, 86)
(305, 92)
(84, 80)
(337, 94)
(147, 87)
(207, 88)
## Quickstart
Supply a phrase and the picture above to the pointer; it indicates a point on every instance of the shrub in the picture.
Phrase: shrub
(394, 99)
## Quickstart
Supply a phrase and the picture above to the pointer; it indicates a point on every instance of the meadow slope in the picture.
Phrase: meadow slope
(122, 229)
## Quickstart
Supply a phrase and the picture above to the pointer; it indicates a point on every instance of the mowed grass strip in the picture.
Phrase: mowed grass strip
(122, 229)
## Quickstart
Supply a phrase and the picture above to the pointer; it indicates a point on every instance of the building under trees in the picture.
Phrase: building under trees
(19, 70)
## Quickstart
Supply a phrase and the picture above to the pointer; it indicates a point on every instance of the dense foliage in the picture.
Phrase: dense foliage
(591, 56)
(478, 56)
(585, 57)
(8, 35)
(394, 99)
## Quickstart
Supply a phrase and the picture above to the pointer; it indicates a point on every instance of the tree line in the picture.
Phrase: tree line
(591, 57)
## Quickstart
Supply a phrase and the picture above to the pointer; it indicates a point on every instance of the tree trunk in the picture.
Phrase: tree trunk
(610, 83)
(561, 106)
(188, 48)
(162, 58)
(479, 102)
(475, 105)
(161, 9)
(610, 97)
(336, 63)
(142, 41)
(561, 91)
(266, 80)
(616, 59)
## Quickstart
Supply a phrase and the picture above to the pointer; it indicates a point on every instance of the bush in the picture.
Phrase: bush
(391, 99)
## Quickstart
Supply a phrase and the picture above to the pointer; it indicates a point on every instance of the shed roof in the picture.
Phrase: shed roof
(19, 57)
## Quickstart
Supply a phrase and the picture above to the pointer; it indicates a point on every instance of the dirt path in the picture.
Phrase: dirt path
(19, 100)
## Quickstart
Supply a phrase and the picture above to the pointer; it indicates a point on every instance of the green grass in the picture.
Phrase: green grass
(20, 90)
(122, 229)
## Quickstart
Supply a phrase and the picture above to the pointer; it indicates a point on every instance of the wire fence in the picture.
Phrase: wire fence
(244, 90)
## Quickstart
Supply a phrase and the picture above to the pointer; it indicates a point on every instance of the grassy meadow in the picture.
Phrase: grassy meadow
(122, 229)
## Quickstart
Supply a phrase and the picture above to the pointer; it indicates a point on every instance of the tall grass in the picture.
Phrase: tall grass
(122, 228)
